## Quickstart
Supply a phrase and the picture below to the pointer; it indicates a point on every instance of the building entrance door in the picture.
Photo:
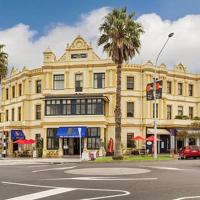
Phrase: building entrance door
(71, 146)
(164, 143)
(65, 146)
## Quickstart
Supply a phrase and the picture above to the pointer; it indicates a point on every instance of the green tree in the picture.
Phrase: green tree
(3, 62)
(120, 37)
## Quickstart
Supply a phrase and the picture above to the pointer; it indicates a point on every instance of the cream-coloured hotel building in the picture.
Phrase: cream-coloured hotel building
(77, 90)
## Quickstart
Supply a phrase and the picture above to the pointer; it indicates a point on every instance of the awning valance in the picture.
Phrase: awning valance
(72, 132)
(159, 131)
(190, 131)
(17, 134)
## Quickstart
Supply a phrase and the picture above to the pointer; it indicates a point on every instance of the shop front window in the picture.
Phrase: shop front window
(192, 141)
(130, 142)
(52, 139)
(93, 139)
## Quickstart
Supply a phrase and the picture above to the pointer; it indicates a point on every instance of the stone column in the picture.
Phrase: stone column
(185, 88)
(44, 137)
(174, 87)
(186, 142)
(66, 79)
(198, 141)
(101, 149)
(90, 79)
(60, 150)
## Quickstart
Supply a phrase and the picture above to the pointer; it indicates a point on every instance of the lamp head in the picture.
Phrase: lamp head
(170, 35)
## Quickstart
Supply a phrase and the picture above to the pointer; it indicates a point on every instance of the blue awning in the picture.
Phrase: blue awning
(17, 134)
(71, 132)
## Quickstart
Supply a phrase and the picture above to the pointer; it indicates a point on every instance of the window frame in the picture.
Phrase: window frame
(128, 83)
(191, 114)
(57, 81)
(130, 113)
(90, 106)
(20, 90)
(13, 114)
(78, 83)
(38, 88)
(169, 114)
(19, 113)
(190, 90)
(7, 115)
(7, 93)
(180, 88)
(54, 140)
(129, 140)
(38, 113)
(169, 87)
(180, 109)
(94, 138)
(96, 79)
(13, 91)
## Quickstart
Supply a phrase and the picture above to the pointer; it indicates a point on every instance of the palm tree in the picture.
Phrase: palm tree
(120, 37)
(3, 62)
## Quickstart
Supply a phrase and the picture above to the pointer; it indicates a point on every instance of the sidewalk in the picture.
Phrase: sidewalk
(32, 161)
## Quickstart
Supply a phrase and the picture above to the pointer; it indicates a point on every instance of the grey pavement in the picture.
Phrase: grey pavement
(27, 161)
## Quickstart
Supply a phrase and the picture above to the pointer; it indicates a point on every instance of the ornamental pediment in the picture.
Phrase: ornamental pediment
(180, 68)
(79, 44)
(79, 50)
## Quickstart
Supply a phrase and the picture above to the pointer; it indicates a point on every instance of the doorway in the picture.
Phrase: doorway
(71, 146)
(164, 143)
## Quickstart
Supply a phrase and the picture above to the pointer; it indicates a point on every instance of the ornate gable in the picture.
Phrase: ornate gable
(180, 68)
(79, 44)
(79, 50)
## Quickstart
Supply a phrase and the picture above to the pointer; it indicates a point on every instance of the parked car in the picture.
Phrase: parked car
(189, 152)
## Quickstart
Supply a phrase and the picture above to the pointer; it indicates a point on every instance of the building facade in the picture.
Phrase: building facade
(75, 94)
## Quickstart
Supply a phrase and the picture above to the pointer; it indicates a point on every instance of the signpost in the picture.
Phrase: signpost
(79, 131)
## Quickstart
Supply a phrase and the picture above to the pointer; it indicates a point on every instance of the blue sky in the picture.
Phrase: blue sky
(28, 27)
(42, 14)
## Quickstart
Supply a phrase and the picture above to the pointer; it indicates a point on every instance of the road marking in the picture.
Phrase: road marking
(51, 169)
(43, 194)
(167, 168)
(124, 193)
(38, 166)
(60, 190)
(102, 178)
(192, 197)
(29, 185)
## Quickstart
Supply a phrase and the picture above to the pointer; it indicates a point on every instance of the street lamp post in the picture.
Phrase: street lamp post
(154, 94)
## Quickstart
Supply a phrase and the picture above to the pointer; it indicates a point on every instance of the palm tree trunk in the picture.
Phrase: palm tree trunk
(118, 114)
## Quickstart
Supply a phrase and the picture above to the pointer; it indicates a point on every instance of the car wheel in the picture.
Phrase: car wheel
(195, 157)
(185, 158)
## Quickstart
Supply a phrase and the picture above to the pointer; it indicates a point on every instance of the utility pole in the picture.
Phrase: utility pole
(154, 94)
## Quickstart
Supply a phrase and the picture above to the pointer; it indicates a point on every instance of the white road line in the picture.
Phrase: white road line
(102, 179)
(59, 190)
(28, 185)
(38, 166)
(51, 169)
(192, 197)
(43, 194)
(124, 193)
(165, 168)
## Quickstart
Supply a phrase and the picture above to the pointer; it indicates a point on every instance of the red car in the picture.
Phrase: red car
(189, 152)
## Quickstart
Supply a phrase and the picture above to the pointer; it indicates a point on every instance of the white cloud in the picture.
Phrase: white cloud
(25, 49)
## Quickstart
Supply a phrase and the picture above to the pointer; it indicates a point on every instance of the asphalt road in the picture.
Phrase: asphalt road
(160, 180)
